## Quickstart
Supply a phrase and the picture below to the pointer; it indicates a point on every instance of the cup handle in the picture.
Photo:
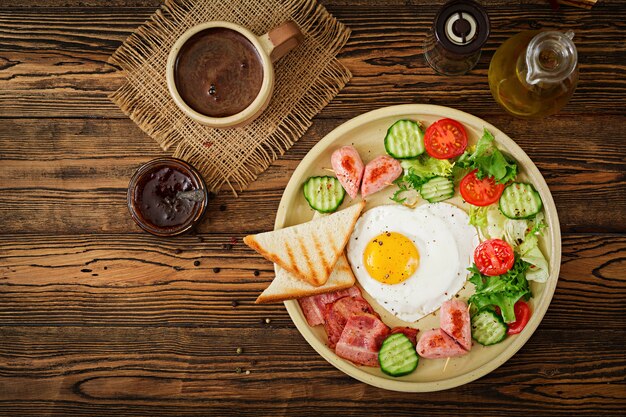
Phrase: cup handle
(282, 39)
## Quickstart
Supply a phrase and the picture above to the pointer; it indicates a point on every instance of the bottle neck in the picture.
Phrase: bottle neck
(550, 58)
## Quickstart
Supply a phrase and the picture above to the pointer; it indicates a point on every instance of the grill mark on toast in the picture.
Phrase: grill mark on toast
(292, 260)
(320, 250)
(253, 244)
(318, 247)
(305, 254)
(328, 267)
(332, 243)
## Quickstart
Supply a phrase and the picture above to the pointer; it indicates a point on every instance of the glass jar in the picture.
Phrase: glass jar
(155, 198)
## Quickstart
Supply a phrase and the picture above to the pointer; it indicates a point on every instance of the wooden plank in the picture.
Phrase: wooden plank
(77, 172)
(140, 280)
(54, 62)
(186, 370)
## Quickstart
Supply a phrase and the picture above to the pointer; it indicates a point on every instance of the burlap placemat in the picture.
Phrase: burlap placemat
(306, 80)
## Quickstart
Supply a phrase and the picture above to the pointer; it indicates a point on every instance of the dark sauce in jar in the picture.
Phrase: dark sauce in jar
(153, 197)
(157, 197)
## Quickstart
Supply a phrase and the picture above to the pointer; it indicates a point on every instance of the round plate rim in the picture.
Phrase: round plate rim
(352, 370)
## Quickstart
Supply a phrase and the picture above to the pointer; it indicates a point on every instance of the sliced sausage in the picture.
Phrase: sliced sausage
(436, 344)
(348, 167)
(455, 321)
(379, 173)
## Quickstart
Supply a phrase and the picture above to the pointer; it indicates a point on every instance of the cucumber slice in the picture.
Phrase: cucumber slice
(405, 139)
(324, 194)
(397, 355)
(437, 189)
(520, 201)
(488, 328)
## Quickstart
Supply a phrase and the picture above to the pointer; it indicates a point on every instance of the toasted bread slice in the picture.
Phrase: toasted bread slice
(287, 286)
(308, 250)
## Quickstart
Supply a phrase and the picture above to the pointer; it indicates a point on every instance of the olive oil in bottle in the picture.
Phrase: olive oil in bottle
(533, 74)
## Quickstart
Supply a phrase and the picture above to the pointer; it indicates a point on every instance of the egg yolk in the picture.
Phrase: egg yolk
(391, 258)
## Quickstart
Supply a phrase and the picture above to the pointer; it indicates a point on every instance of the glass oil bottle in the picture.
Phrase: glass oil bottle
(534, 74)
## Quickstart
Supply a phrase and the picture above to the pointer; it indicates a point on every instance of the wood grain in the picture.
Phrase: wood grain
(177, 365)
(97, 318)
(77, 169)
(55, 64)
(142, 281)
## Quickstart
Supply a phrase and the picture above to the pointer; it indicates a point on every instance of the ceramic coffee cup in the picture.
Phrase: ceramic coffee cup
(220, 74)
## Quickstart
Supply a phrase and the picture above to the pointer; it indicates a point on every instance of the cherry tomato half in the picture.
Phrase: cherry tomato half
(494, 257)
(522, 315)
(446, 138)
(480, 192)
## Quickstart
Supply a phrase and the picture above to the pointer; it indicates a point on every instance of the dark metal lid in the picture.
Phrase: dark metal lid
(462, 26)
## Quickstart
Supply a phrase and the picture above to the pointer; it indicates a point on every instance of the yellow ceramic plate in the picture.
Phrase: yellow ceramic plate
(366, 133)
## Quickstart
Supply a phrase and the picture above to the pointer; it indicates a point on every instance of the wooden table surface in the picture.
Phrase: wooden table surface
(100, 318)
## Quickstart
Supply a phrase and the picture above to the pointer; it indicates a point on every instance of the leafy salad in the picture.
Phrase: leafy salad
(507, 214)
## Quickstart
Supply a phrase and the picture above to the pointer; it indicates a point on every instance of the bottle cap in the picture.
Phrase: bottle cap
(462, 27)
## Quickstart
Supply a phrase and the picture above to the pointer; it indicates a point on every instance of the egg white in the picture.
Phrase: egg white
(445, 241)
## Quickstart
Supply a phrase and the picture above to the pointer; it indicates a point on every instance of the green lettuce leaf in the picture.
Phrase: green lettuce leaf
(489, 160)
(427, 167)
(478, 216)
(502, 290)
(529, 252)
(417, 172)
(516, 231)
(489, 221)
